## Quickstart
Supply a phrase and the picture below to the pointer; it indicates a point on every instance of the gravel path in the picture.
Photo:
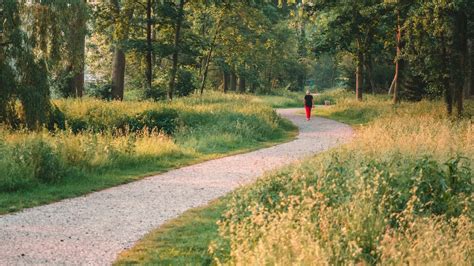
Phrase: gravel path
(94, 228)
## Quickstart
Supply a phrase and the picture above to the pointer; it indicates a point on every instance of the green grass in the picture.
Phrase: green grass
(41, 167)
(182, 241)
(342, 203)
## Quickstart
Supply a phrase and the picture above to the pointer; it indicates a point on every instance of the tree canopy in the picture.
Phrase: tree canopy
(164, 49)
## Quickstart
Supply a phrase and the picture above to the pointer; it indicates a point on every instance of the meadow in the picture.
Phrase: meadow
(93, 144)
(399, 193)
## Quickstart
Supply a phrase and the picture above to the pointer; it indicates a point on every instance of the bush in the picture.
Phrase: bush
(155, 93)
(185, 83)
(45, 161)
(57, 119)
(400, 193)
(165, 120)
(102, 136)
(100, 90)
(16, 173)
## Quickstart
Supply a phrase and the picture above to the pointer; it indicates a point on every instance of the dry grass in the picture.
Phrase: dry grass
(400, 193)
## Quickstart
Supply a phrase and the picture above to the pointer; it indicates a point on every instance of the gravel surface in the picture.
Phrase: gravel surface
(94, 228)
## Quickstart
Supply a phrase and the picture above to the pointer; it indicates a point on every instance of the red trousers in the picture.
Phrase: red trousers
(308, 111)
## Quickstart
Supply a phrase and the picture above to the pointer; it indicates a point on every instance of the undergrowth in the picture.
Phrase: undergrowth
(136, 138)
(399, 193)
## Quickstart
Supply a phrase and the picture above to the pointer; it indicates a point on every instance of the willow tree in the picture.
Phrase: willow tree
(57, 30)
(23, 76)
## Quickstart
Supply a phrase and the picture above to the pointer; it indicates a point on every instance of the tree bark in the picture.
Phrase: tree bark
(209, 56)
(149, 52)
(470, 75)
(242, 85)
(368, 67)
(359, 78)
(225, 81)
(396, 80)
(118, 74)
(118, 62)
(448, 93)
(461, 21)
(233, 81)
(174, 69)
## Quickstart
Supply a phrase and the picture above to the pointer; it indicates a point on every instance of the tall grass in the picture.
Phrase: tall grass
(104, 137)
(400, 193)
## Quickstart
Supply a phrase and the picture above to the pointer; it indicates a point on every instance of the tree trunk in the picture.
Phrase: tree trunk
(242, 85)
(396, 79)
(149, 52)
(270, 71)
(359, 78)
(225, 81)
(233, 81)
(470, 79)
(461, 21)
(118, 62)
(368, 67)
(118, 73)
(79, 83)
(176, 49)
(448, 93)
(209, 56)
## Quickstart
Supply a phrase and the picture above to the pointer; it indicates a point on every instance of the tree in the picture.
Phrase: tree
(349, 26)
(23, 77)
(57, 30)
(177, 35)
(122, 14)
(436, 47)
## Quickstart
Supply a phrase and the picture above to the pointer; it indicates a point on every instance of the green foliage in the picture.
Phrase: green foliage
(100, 91)
(436, 46)
(185, 83)
(183, 241)
(389, 196)
(109, 143)
(347, 205)
(155, 93)
(165, 120)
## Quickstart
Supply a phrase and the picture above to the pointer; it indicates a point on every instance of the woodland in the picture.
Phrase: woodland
(165, 49)
(99, 93)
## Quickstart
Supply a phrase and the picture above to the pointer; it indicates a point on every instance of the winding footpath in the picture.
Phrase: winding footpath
(94, 228)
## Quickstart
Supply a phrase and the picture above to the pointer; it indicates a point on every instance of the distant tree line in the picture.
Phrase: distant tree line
(429, 44)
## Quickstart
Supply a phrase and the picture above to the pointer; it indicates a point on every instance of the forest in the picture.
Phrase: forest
(97, 95)
(165, 49)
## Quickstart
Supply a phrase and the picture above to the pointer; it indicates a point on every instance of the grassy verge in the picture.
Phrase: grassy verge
(182, 241)
(400, 194)
(111, 143)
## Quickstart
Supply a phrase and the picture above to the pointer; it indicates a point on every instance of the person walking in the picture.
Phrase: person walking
(308, 104)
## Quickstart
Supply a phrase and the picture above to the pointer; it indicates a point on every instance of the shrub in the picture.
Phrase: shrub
(100, 90)
(57, 119)
(165, 120)
(15, 173)
(44, 160)
(401, 193)
(185, 83)
(156, 93)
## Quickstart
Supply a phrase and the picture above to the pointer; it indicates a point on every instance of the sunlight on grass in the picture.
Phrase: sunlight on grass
(400, 193)
(110, 143)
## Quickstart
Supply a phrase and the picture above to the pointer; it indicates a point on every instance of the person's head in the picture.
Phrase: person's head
(308, 92)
